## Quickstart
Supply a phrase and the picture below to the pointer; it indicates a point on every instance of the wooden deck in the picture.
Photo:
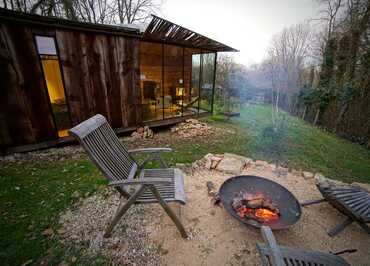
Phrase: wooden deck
(69, 140)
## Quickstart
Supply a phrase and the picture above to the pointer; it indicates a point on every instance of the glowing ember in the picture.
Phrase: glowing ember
(255, 207)
(266, 214)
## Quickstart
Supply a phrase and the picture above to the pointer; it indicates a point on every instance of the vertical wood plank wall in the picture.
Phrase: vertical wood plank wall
(101, 75)
(24, 108)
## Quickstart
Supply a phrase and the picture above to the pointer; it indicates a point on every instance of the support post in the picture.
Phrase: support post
(214, 83)
(311, 202)
(339, 228)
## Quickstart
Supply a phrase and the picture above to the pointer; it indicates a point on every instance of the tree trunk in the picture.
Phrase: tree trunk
(304, 112)
(343, 110)
(316, 117)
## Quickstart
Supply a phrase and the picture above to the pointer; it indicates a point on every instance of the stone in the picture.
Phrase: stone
(195, 165)
(319, 178)
(260, 163)
(215, 160)
(307, 175)
(208, 161)
(281, 171)
(232, 164)
(296, 172)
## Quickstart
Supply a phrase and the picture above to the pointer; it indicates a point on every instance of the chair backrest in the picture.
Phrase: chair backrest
(104, 148)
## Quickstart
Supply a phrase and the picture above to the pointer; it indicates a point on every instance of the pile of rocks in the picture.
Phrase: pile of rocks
(227, 163)
(192, 128)
(143, 133)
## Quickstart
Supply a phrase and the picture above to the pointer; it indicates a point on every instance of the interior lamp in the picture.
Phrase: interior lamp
(179, 91)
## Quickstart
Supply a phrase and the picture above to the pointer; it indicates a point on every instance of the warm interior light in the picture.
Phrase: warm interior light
(53, 80)
(179, 91)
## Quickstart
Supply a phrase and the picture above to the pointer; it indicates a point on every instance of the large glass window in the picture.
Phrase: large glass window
(191, 81)
(207, 80)
(50, 63)
(151, 80)
(173, 81)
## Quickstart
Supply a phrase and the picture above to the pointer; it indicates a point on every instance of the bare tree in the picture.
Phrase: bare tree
(329, 13)
(130, 11)
(95, 11)
(287, 56)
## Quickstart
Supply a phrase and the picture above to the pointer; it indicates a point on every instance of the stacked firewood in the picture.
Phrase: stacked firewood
(143, 133)
(192, 128)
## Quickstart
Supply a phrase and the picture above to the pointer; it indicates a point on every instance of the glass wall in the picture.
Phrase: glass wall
(208, 71)
(175, 81)
(50, 64)
(151, 80)
(192, 79)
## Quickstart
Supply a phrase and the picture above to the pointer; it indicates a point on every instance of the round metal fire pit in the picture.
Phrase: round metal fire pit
(290, 210)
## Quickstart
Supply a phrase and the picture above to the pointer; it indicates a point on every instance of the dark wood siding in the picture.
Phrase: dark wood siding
(101, 75)
(25, 115)
(100, 72)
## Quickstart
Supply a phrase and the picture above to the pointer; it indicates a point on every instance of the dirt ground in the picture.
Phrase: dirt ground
(218, 239)
(146, 236)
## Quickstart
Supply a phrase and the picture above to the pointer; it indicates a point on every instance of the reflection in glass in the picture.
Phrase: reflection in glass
(191, 81)
(151, 80)
(173, 81)
(208, 67)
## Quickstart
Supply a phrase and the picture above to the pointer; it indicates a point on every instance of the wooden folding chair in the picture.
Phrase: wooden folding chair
(117, 164)
(273, 254)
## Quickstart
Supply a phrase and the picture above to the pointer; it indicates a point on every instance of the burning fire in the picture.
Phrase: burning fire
(260, 214)
(255, 207)
(266, 214)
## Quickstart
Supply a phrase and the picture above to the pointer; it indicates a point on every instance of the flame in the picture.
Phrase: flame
(266, 214)
(260, 213)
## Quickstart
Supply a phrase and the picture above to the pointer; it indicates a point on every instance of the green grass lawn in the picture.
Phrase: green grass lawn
(33, 194)
(303, 146)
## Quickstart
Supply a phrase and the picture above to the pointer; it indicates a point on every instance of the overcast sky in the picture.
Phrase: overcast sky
(247, 25)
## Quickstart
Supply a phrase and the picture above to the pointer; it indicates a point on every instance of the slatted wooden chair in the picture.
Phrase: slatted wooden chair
(354, 202)
(118, 165)
(273, 254)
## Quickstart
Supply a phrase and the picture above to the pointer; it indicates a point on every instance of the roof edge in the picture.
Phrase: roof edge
(10, 15)
(148, 35)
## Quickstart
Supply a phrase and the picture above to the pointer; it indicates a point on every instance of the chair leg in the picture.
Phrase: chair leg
(311, 202)
(122, 209)
(169, 211)
(339, 228)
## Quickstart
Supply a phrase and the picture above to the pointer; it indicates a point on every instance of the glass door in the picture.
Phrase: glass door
(207, 82)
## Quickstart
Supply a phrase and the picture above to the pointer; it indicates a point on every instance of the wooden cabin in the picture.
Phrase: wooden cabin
(55, 73)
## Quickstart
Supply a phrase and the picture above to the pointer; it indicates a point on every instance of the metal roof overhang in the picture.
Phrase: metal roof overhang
(162, 30)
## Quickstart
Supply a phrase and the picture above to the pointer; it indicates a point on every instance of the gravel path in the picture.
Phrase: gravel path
(215, 237)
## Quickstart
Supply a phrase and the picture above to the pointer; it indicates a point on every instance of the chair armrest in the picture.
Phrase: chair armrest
(141, 181)
(150, 150)
(277, 258)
